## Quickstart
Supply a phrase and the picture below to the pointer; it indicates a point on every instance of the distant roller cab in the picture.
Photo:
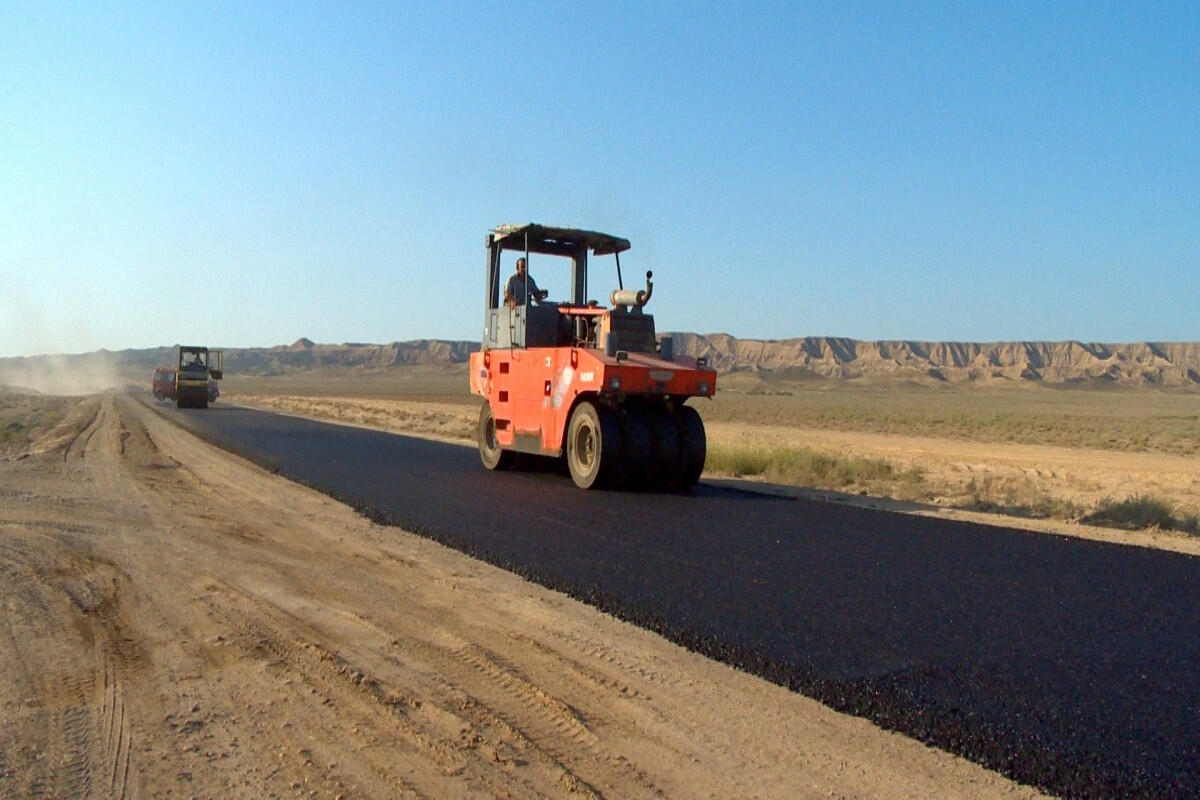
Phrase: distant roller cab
(197, 376)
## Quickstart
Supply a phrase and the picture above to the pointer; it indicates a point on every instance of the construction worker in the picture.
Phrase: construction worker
(515, 291)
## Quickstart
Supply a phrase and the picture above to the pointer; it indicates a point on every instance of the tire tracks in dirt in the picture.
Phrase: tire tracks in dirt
(479, 702)
(68, 639)
(184, 624)
(61, 647)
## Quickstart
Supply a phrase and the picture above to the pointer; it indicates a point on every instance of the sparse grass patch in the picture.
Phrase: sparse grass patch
(1140, 512)
(1136, 420)
(450, 420)
(805, 466)
(24, 417)
(1024, 498)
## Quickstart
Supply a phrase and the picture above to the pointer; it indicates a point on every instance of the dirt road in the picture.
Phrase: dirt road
(177, 622)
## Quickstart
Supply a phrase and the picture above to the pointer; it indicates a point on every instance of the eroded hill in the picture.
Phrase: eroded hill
(1140, 363)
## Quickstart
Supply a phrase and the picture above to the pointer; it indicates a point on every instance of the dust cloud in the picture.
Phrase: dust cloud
(62, 374)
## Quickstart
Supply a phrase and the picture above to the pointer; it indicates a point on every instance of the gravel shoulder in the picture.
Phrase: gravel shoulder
(178, 622)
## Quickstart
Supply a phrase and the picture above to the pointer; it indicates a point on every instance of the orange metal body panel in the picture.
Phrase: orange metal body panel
(533, 391)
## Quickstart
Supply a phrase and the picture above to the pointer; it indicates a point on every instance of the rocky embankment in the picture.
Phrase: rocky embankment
(1135, 364)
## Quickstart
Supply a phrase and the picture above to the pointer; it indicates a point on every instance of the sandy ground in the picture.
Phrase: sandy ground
(1081, 476)
(180, 623)
(958, 470)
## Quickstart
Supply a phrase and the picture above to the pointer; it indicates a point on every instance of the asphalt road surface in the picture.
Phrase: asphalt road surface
(1068, 664)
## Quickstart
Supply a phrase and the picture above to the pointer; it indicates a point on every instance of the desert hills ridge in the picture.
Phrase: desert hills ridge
(1066, 362)
(1140, 363)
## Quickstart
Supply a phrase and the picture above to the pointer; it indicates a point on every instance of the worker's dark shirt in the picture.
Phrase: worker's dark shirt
(517, 286)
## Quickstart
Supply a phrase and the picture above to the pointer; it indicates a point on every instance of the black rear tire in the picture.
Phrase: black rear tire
(637, 454)
(493, 456)
(667, 448)
(693, 446)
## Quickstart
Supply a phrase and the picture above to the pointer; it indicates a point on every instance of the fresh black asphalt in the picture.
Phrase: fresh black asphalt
(1068, 664)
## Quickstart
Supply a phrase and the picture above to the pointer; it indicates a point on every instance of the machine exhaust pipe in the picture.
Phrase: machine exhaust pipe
(631, 297)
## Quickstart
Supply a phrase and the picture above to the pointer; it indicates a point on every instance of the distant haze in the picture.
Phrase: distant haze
(1169, 364)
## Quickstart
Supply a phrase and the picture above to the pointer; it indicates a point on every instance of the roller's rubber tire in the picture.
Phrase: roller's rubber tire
(666, 446)
(693, 447)
(491, 454)
(637, 451)
(593, 446)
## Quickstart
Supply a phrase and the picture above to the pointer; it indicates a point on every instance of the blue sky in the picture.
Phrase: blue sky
(244, 174)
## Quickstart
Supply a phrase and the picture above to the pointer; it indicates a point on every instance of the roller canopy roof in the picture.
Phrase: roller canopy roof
(552, 240)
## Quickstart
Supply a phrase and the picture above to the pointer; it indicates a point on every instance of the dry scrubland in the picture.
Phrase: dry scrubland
(1119, 457)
